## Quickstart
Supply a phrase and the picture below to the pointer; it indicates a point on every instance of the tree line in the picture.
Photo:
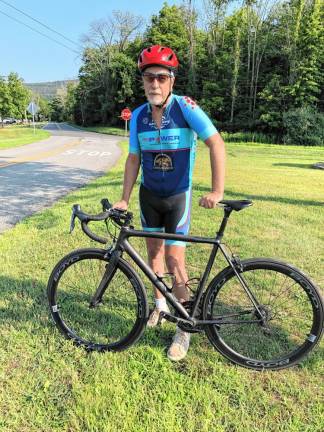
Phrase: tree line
(254, 66)
(258, 68)
(15, 98)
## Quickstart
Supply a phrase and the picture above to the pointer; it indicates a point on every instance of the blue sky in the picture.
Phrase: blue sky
(37, 59)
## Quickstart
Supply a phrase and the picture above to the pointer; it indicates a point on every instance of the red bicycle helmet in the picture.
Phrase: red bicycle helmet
(158, 55)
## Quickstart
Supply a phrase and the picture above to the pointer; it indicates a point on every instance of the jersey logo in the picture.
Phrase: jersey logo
(163, 162)
(187, 101)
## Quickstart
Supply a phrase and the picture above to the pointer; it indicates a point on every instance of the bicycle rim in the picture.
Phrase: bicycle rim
(292, 315)
(114, 324)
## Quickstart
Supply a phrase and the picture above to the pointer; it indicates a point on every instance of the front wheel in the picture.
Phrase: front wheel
(285, 326)
(120, 318)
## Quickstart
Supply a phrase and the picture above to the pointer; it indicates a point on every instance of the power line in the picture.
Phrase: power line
(42, 24)
(37, 31)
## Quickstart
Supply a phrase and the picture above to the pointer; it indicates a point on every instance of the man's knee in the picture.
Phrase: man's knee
(155, 250)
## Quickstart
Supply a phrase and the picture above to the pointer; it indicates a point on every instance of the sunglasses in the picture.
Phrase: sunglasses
(150, 77)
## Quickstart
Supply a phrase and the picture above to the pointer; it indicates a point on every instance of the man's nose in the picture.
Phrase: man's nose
(155, 82)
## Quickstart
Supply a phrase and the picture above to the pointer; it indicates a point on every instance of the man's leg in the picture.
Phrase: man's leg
(175, 257)
(155, 253)
(175, 260)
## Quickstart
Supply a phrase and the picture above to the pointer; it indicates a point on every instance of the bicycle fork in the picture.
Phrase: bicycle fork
(110, 271)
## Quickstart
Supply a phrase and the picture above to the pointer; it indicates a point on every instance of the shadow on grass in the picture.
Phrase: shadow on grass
(24, 306)
(23, 301)
(283, 200)
(294, 165)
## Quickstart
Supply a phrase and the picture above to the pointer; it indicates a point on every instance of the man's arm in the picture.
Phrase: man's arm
(217, 160)
(130, 175)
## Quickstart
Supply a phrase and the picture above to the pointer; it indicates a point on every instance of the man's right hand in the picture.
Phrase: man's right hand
(121, 205)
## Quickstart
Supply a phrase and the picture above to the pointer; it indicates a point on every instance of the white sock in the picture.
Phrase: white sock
(161, 304)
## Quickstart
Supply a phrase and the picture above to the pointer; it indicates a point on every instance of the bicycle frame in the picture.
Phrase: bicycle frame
(122, 245)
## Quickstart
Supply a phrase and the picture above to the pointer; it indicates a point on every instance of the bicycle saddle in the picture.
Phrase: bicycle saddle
(236, 205)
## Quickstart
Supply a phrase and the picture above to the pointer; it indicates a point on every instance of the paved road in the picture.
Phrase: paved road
(36, 175)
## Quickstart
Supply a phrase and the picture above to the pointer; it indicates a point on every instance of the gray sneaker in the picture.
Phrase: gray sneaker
(180, 345)
(154, 317)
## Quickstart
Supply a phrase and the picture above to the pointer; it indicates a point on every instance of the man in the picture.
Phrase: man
(163, 135)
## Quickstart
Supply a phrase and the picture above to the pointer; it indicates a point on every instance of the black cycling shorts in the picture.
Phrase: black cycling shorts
(169, 214)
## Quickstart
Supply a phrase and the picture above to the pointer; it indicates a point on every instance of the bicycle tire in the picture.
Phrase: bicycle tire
(120, 319)
(290, 302)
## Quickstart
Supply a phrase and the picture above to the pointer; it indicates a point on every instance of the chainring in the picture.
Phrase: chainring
(188, 305)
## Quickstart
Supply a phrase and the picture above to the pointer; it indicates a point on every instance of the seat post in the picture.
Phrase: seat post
(227, 213)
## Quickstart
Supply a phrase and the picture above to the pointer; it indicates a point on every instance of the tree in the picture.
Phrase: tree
(6, 105)
(70, 102)
(107, 74)
(307, 77)
(114, 31)
(20, 95)
(169, 28)
(57, 109)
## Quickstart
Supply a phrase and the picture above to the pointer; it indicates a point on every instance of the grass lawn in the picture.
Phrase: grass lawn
(15, 136)
(47, 384)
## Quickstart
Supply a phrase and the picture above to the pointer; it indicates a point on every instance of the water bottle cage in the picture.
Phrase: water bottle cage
(193, 283)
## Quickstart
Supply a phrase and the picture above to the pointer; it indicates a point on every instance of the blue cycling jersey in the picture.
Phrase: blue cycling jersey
(168, 154)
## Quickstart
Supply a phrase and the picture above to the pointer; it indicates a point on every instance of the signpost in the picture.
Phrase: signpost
(126, 115)
(33, 109)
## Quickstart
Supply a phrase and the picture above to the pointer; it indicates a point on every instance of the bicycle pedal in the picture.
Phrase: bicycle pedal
(168, 317)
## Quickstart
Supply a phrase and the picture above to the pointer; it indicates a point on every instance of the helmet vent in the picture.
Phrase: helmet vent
(149, 49)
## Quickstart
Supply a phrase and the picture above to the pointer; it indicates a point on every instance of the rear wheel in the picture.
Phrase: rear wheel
(117, 322)
(287, 325)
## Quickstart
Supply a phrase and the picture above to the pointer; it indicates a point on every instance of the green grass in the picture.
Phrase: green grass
(15, 136)
(47, 384)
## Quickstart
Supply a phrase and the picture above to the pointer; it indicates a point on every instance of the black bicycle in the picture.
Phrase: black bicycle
(260, 313)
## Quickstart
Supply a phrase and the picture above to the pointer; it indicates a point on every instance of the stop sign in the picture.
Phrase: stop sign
(126, 114)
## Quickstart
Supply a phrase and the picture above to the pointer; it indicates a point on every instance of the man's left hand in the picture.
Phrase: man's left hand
(210, 200)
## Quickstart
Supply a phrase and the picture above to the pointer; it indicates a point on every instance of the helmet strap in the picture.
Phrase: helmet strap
(161, 105)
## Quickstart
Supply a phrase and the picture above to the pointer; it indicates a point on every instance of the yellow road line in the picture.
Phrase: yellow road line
(41, 155)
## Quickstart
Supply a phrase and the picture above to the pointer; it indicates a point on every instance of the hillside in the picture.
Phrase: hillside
(49, 89)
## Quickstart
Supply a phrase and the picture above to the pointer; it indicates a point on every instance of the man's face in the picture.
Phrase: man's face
(158, 82)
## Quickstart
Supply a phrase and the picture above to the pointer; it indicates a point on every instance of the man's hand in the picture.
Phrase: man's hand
(210, 200)
(121, 205)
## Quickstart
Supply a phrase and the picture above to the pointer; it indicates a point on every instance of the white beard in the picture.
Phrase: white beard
(155, 99)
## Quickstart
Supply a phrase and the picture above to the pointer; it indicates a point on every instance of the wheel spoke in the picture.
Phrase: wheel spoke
(285, 305)
(113, 322)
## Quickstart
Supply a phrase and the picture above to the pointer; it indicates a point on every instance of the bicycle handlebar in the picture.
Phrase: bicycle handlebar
(120, 217)
(124, 218)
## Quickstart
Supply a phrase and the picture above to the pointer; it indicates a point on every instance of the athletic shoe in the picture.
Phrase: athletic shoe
(180, 345)
(154, 317)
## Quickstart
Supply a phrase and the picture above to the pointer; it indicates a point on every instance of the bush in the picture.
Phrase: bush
(304, 126)
(254, 137)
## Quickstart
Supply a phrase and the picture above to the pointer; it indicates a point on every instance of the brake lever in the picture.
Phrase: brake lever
(75, 208)
(72, 222)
